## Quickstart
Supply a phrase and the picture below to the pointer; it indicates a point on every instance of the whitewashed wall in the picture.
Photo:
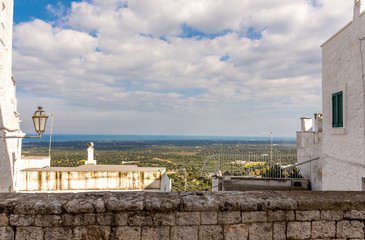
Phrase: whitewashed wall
(9, 118)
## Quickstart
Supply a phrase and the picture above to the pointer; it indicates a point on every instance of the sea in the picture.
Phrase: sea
(92, 137)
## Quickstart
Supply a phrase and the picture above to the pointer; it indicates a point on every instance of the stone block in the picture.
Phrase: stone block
(4, 221)
(121, 233)
(155, 233)
(164, 219)
(126, 201)
(279, 231)
(259, 231)
(299, 230)
(99, 205)
(281, 216)
(84, 219)
(162, 202)
(199, 201)
(323, 229)
(210, 232)
(92, 232)
(208, 218)
(307, 215)
(112, 219)
(29, 233)
(350, 229)
(47, 220)
(6, 233)
(355, 214)
(121, 219)
(140, 219)
(58, 233)
(48, 206)
(184, 233)
(251, 217)
(79, 206)
(234, 232)
(21, 220)
(187, 218)
(229, 217)
(331, 215)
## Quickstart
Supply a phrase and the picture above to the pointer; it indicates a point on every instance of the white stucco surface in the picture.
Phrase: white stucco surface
(10, 148)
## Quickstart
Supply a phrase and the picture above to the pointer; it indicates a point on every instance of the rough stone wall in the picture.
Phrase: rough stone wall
(343, 161)
(9, 118)
(183, 215)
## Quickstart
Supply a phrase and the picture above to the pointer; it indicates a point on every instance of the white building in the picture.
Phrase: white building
(10, 148)
(338, 136)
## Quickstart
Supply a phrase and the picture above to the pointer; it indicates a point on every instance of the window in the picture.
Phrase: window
(337, 109)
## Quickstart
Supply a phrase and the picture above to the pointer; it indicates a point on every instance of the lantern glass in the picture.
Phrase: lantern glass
(40, 120)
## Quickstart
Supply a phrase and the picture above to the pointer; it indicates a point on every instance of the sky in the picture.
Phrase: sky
(172, 67)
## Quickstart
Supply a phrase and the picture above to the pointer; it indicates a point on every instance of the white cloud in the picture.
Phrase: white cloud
(129, 57)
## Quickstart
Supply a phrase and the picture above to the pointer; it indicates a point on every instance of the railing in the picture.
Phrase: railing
(254, 165)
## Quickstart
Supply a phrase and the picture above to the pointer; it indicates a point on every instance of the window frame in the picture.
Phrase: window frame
(337, 109)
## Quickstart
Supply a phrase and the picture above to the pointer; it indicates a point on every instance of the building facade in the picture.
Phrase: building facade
(337, 138)
(10, 148)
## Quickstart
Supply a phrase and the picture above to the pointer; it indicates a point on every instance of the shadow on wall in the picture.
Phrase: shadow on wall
(6, 176)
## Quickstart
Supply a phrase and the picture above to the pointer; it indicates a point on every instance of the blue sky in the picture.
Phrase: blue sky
(192, 67)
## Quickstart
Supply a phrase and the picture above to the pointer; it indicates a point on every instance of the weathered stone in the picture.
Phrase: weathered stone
(229, 217)
(140, 219)
(21, 220)
(251, 217)
(164, 219)
(84, 219)
(162, 202)
(92, 232)
(99, 205)
(208, 218)
(307, 215)
(155, 233)
(323, 229)
(6, 233)
(331, 215)
(355, 214)
(58, 233)
(259, 231)
(299, 230)
(279, 231)
(29, 233)
(210, 233)
(47, 220)
(234, 232)
(237, 202)
(121, 233)
(350, 229)
(184, 233)
(188, 218)
(79, 206)
(112, 219)
(199, 201)
(4, 221)
(281, 216)
(129, 201)
(47, 206)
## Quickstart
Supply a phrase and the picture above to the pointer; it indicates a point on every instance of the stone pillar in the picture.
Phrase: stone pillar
(90, 154)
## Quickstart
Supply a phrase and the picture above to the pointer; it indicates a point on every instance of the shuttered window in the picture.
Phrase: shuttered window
(337, 109)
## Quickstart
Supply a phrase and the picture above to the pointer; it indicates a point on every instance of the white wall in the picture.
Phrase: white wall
(9, 118)
(343, 148)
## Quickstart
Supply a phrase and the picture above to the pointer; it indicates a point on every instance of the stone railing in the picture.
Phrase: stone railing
(183, 215)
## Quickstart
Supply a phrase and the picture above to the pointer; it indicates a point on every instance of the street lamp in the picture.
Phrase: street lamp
(39, 121)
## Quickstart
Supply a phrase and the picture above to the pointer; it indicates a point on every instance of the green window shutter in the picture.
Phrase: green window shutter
(337, 109)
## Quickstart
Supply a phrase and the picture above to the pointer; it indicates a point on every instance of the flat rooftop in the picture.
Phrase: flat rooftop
(98, 168)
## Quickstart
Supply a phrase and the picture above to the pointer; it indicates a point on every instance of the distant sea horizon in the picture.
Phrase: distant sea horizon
(105, 137)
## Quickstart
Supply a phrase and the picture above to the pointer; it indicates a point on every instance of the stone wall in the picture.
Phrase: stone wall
(183, 215)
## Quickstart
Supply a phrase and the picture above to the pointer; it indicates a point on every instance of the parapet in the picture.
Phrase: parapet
(183, 215)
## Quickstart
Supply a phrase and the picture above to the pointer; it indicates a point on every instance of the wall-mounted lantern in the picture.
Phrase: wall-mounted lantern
(39, 121)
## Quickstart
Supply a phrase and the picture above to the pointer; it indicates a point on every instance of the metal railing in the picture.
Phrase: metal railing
(254, 165)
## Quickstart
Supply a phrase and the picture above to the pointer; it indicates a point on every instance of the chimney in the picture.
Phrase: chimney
(357, 9)
(90, 154)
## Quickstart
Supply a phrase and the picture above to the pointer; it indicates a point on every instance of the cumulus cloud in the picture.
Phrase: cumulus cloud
(207, 66)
